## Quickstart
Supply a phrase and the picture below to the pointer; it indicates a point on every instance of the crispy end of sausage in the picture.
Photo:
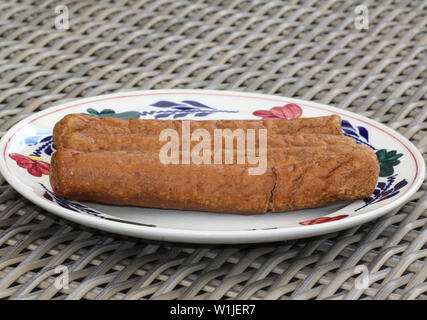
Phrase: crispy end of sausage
(347, 176)
(69, 124)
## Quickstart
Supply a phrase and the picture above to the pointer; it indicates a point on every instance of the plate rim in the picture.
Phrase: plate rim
(211, 236)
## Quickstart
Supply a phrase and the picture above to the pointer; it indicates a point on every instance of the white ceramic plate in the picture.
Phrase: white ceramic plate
(27, 147)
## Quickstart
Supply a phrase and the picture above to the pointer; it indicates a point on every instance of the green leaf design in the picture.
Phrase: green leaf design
(107, 112)
(125, 115)
(388, 160)
(113, 114)
(92, 112)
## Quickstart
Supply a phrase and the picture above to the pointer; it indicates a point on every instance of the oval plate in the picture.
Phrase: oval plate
(27, 147)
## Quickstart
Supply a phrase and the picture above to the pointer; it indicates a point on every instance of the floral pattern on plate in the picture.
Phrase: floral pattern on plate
(35, 166)
(288, 111)
(323, 220)
(166, 110)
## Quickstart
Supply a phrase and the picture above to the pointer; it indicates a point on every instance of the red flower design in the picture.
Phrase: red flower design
(323, 220)
(34, 167)
(288, 111)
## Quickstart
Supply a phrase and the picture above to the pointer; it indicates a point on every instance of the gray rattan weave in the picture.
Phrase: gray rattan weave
(306, 49)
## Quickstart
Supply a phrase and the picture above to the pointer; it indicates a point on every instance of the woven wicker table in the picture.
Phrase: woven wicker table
(369, 59)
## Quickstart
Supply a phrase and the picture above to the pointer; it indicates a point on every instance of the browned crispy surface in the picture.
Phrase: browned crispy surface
(136, 142)
(101, 177)
(297, 177)
(89, 125)
(347, 175)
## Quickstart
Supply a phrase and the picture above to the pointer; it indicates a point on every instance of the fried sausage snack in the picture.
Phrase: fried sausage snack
(89, 125)
(296, 178)
(114, 161)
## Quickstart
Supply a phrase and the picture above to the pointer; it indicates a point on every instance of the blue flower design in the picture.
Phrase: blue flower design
(46, 147)
(68, 204)
(182, 109)
(360, 134)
